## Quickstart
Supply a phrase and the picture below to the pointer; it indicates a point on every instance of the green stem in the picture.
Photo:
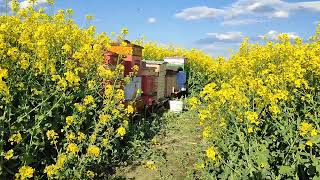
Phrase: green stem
(243, 148)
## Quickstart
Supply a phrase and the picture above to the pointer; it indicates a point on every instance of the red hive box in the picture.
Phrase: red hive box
(147, 85)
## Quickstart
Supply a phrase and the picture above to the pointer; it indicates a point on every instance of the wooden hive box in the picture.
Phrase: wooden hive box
(160, 80)
(148, 71)
(160, 86)
(171, 84)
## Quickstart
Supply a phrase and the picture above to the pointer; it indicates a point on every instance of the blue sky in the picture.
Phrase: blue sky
(216, 26)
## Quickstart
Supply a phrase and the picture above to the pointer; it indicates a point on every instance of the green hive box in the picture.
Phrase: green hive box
(173, 63)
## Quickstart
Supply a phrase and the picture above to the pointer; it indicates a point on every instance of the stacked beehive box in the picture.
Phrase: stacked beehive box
(128, 56)
(131, 53)
(159, 81)
(171, 82)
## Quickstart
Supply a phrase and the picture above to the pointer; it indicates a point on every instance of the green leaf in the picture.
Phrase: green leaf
(285, 170)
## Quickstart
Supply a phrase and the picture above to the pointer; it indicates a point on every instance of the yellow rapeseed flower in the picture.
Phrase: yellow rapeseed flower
(88, 100)
(81, 108)
(121, 131)
(206, 132)
(93, 150)
(193, 102)
(15, 5)
(69, 120)
(130, 109)
(151, 165)
(72, 148)
(51, 135)
(51, 170)
(71, 137)
(50, 2)
(252, 117)
(91, 84)
(24, 172)
(15, 138)
(103, 118)
(72, 79)
(61, 160)
(90, 174)
(304, 128)
(124, 31)
(81, 136)
(210, 153)
(9, 154)
(309, 143)
(313, 132)
(89, 17)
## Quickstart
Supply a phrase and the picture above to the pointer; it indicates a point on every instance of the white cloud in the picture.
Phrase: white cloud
(228, 36)
(26, 3)
(234, 22)
(307, 5)
(273, 35)
(255, 9)
(199, 12)
(152, 20)
(280, 14)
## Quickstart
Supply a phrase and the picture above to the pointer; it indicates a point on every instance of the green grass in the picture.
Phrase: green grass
(173, 153)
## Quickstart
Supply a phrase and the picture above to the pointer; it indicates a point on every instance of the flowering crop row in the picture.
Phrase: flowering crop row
(58, 120)
(260, 114)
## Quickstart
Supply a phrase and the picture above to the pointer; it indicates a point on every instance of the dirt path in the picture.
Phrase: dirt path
(177, 146)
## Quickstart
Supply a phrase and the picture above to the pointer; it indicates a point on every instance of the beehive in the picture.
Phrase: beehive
(160, 80)
(131, 55)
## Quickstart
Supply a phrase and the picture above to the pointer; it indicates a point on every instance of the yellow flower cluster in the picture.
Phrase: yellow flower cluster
(150, 165)
(93, 150)
(15, 138)
(252, 117)
(71, 101)
(53, 169)
(211, 153)
(72, 148)
(25, 172)
(261, 92)
(51, 135)
(306, 128)
(9, 154)
(121, 131)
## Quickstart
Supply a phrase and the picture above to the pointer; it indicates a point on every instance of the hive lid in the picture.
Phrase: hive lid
(154, 62)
